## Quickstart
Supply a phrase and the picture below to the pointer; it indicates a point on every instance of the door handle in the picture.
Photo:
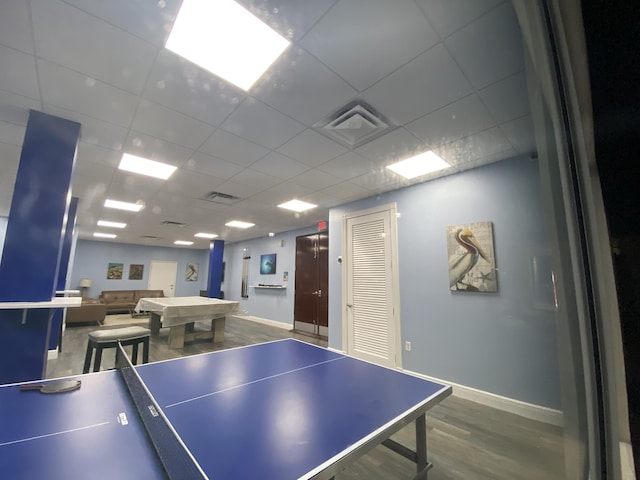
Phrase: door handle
(318, 293)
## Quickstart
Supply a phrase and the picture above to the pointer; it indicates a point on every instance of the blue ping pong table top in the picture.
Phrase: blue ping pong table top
(278, 410)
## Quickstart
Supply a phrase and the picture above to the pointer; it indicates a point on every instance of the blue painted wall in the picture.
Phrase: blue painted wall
(92, 258)
(270, 304)
(498, 343)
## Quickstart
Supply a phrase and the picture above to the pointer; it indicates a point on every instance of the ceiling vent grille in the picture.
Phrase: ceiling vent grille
(354, 125)
(219, 197)
(171, 223)
(151, 237)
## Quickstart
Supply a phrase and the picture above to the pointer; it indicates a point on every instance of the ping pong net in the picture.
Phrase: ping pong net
(175, 458)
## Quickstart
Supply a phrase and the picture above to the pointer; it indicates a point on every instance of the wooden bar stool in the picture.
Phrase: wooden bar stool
(101, 339)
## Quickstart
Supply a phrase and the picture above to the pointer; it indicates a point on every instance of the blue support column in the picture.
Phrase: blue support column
(33, 243)
(216, 252)
(67, 241)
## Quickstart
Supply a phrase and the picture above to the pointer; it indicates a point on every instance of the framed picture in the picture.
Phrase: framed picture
(191, 274)
(268, 264)
(472, 264)
(136, 271)
(114, 271)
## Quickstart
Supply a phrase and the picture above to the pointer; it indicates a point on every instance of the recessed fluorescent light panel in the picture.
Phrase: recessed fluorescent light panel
(205, 235)
(226, 39)
(182, 242)
(130, 207)
(104, 235)
(144, 166)
(297, 205)
(104, 223)
(239, 224)
(419, 165)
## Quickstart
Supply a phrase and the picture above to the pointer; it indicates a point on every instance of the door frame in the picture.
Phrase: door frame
(391, 208)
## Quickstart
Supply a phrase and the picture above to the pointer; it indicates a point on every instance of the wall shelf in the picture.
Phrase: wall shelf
(271, 287)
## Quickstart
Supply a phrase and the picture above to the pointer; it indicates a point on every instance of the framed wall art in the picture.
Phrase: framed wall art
(471, 257)
(268, 264)
(136, 271)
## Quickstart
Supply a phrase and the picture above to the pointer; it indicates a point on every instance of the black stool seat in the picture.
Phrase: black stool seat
(100, 339)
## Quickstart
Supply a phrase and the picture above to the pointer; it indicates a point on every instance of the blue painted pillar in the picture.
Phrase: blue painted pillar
(33, 243)
(67, 241)
(216, 251)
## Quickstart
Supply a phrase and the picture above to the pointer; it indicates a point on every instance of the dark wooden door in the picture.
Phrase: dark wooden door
(311, 304)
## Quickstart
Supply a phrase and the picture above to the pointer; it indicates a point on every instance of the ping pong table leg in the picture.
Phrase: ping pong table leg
(421, 446)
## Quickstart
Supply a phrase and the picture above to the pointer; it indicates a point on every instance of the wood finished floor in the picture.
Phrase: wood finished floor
(466, 440)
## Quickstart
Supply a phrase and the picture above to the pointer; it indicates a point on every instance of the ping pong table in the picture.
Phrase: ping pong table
(274, 411)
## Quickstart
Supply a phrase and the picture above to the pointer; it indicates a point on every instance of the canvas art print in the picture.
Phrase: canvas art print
(191, 274)
(471, 257)
(114, 271)
(136, 271)
(268, 264)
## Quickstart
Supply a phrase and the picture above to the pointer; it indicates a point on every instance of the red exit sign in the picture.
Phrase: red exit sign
(322, 225)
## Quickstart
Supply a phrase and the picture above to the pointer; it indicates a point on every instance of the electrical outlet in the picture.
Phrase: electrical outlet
(407, 346)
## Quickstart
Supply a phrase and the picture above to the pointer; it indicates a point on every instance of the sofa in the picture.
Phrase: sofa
(119, 301)
(89, 311)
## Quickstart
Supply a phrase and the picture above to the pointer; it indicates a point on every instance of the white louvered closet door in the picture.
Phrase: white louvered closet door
(371, 323)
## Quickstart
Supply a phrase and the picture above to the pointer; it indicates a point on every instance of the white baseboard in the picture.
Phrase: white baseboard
(52, 354)
(517, 407)
(264, 321)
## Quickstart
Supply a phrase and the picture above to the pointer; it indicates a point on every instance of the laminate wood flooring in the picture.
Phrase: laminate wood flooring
(466, 440)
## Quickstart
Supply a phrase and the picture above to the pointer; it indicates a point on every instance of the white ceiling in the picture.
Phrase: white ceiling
(447, 74)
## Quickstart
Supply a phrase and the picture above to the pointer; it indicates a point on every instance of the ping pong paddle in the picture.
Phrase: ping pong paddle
(57, 386)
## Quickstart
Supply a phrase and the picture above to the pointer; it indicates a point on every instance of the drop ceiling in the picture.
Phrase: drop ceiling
(445, 75)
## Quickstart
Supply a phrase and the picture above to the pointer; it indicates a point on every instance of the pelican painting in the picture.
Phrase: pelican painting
(471, 258)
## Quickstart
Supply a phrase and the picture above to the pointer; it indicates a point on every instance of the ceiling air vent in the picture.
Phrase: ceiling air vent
(219, 197)
(152, 237)
(354, 125)
(171, 223)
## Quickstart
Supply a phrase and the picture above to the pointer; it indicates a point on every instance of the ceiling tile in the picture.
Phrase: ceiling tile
(280, 166)
(68, 36)
(315, 180)
(95, 154)
(170, 125)
(182, 86)
(301, 87)
(478, 146)
(15, 27)
(79, 93)
(392, 147)
(254, 178)
(14, 108)
(18, 73)
(11, 133)
(201, 162)
(520, 133)
(347, 166)
(347, 191)
(459, 119)
(290, 19)
(93, 131)
(151, 21)
(153, 148)
(367, 27)
(311, 148)
(261, 124)
(429, 82)
(490, 48)
(232, 148)
(507, 99)
(447, 16)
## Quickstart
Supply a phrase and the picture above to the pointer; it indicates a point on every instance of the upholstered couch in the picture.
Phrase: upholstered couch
(88, 312)
(118, 301)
